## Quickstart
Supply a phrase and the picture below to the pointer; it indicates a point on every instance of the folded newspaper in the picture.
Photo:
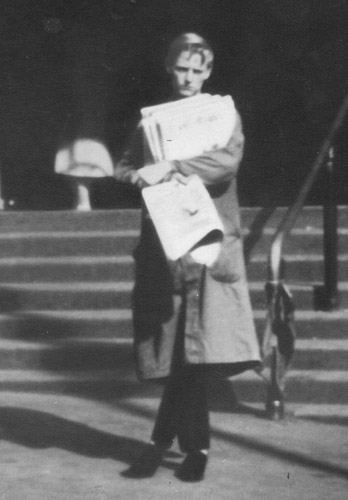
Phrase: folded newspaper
(188, 127)
(185, 218)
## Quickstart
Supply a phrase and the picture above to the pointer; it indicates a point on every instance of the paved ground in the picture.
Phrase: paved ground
(68, 447)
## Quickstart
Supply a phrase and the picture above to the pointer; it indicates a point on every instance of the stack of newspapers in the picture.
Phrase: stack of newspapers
(188, 127)
(184, 215)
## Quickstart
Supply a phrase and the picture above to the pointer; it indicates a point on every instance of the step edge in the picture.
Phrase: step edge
(302, 315)
(114, 374)
(301, 345)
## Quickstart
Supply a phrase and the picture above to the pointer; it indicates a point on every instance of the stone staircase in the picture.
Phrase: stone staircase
(65, 317)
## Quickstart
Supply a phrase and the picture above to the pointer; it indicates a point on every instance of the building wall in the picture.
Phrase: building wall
(83, 68)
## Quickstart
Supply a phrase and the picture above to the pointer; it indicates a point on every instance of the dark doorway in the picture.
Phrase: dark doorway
(84, 68)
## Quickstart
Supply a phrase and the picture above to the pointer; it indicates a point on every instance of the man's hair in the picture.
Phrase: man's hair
(192, 43)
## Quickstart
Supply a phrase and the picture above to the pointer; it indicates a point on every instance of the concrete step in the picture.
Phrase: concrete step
(106, 220)
(303, 294)
(65, 288)
(83, 383)
(321, 354)
(70, 354)
(45, 324)
(117, 323)
(79, 268)
(61, 220)
(117, 354)
(302, 386)
(317, 387)
(58, 296)
(67, 243)
(302, 268)
(299, 268)
(117, 294)
(123, 241)
(300, 241)
(310, 217)
(116, 232)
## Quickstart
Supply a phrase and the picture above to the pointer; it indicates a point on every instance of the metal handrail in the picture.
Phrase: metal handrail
(288, 221)
(280, 321)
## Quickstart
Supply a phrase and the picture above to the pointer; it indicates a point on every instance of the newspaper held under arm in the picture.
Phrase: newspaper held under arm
(185, 219)
(184, 215)
(189, 127)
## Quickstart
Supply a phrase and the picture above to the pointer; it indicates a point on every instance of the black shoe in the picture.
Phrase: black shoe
(193, 467)
(147, 464)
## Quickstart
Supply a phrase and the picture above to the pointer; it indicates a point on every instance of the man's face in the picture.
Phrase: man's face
(188, 74)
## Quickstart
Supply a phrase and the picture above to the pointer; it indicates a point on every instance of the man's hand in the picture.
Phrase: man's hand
(157, 172)
(154, 174)
(134, 178)
(177, 176)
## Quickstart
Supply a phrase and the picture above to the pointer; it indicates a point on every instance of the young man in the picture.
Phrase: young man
(190, 319)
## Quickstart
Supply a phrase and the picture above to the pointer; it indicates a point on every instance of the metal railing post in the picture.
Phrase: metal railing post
(326, 295)
(330, 236)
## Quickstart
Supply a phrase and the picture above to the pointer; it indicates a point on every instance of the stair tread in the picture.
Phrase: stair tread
(299, 257)
(126, 313)
(252, 285)
(322, 315)
(73, 234)
(127, 286)
(36, 345)
(321, 344)
(66, 259)
(113, 374)
(70, 286)
(18, 344)
(318, 375)
(112, 233)
(95, 259)
(76, 314)
(46, 375)
(256, 286)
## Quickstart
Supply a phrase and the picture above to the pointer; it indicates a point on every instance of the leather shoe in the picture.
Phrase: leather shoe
(193, 467)
(147, 464)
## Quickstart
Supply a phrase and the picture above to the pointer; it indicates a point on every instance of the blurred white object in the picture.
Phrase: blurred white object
(206, 254)
(83, 160)
(83, 201)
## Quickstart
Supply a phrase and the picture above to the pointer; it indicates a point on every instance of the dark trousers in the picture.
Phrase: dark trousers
(183, 412)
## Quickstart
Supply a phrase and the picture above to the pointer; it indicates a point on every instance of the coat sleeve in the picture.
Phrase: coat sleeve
(217, 166)
(132, 159)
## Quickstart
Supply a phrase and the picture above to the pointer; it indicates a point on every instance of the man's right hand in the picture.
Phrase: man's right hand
(134, 178)
(177, 176)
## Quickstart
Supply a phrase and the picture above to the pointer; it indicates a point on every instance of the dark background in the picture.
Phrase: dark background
(83, 68)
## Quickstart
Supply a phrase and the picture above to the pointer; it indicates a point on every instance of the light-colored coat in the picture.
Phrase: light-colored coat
(209, 307)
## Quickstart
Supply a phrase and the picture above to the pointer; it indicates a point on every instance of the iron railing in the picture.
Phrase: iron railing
(326, 296)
